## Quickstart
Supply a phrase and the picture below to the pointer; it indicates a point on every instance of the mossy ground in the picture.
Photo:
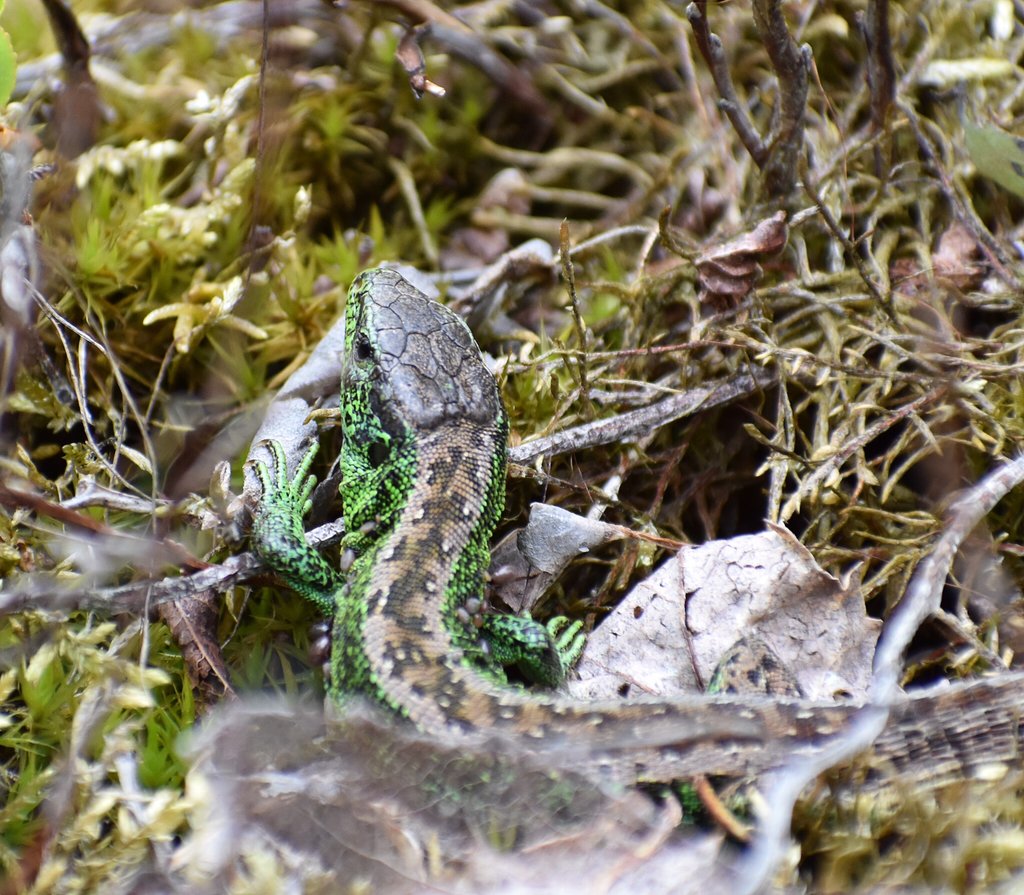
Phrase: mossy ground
(191, 261)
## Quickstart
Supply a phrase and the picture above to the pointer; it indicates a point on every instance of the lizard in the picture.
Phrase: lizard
(423, 465)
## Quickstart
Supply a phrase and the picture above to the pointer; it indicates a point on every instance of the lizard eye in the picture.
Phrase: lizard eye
(363, 349)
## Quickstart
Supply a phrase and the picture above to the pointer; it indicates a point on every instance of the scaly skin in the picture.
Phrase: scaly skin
(423, 467)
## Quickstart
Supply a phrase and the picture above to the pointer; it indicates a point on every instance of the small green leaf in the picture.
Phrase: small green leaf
(8, 64)
(998, 155)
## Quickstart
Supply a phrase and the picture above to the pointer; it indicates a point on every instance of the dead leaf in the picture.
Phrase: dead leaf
(728, 273)
(955, 257)
(527, 560)
(193, 624)
(641, 647)
(669, 634)
(287, 418)
(410, 57)
(954, 264)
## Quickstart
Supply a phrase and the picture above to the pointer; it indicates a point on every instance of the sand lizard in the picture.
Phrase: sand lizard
(423, 464)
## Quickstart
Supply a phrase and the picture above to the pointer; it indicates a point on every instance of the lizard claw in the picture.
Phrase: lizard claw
(568, 639)
(277, 488)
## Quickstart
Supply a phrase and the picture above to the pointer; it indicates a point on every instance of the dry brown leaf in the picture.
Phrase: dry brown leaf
(527, 560)
(727, 273)
(955, 258)
(954, 264)
(672, 630)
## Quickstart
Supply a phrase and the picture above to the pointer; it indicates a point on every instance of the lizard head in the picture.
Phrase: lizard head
(412, 357)
(411, 367)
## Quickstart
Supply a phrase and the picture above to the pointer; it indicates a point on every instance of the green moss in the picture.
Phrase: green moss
(145, 241)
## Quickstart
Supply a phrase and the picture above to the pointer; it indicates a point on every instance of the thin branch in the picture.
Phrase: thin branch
(792, 65)
(637, 423)
(925, 590)
(852, 446)
(138, 596)
(881, 69)
(710, 47)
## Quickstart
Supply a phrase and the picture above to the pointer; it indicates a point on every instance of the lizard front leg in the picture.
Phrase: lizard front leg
(277, 533)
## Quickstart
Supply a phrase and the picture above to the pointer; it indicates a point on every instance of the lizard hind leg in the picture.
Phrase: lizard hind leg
(541, 654)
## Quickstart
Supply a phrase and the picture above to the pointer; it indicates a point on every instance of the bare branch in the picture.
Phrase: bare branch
(792, 65)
